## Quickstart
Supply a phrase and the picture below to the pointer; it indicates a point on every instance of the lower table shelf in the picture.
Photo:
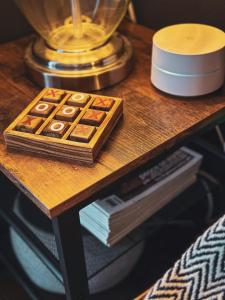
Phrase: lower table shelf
(171, 211)
(8, 258)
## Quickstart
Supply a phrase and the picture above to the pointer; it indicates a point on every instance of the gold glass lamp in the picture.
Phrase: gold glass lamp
(78, 47)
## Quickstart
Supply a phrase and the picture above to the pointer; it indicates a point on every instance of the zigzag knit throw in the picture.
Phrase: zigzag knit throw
(200, 273)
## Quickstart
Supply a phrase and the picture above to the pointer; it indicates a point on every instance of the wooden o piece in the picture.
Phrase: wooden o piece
(56, 129)
(42, 109)
(57, 126)
(67, 113)
(79, 99)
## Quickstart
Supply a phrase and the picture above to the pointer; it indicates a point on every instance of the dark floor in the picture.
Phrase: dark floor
(9, 289)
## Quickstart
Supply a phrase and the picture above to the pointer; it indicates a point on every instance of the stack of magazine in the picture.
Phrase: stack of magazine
(139, 196)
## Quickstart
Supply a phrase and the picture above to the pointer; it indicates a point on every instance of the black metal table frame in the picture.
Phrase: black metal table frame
(71, 255)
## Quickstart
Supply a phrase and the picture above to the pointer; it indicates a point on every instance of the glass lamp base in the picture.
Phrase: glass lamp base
(84, 71)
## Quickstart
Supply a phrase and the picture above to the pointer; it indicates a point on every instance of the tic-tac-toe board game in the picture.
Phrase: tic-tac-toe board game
(66, 125)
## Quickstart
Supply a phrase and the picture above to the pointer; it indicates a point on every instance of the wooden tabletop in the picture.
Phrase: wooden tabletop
(153, 122)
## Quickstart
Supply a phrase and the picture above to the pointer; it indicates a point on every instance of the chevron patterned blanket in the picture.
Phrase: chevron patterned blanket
(200, 273)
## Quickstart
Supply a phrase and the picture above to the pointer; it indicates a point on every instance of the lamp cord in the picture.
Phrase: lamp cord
(132, 13)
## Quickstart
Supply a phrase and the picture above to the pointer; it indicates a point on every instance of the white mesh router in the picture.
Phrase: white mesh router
(188, 59)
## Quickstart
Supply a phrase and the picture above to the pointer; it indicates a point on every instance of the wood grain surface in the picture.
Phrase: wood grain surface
(153, 122)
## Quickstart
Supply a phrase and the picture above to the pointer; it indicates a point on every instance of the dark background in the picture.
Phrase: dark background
(152, 13)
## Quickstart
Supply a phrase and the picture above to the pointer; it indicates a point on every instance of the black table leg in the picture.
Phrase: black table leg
(69, 243)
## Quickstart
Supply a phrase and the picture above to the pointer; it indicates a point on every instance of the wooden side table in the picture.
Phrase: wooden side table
(154, 124)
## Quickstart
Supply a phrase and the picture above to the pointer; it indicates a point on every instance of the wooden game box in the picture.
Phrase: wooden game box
(65, 125)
